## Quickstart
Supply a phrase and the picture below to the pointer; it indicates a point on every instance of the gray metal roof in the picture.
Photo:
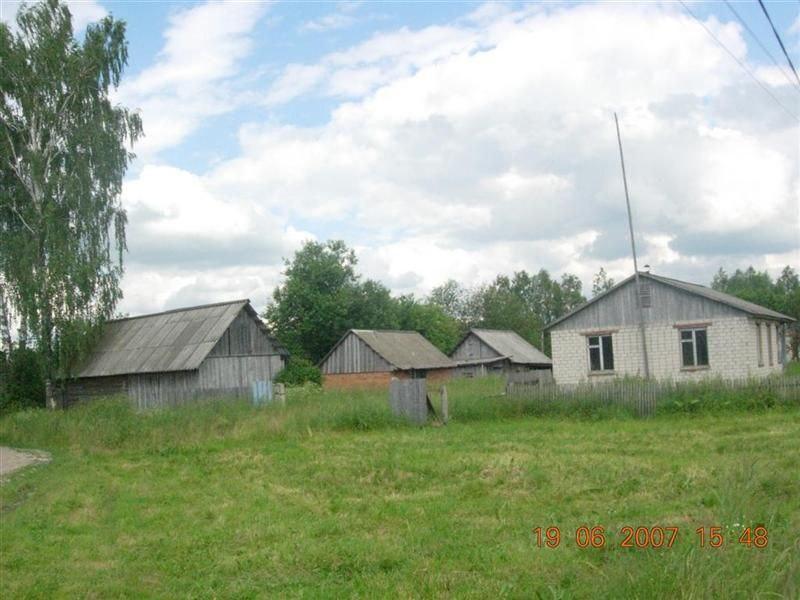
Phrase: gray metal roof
(404, 349)
(750, 308)
(511, 344)
(175, 340)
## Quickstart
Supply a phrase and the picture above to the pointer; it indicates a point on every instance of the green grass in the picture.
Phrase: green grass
(792, 368)
(333, 497)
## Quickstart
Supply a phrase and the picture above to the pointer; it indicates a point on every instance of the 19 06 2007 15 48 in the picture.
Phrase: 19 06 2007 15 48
(656, 536)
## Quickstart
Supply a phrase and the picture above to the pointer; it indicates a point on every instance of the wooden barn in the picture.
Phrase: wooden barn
(370, 358)
(489, 351)
(215, 350)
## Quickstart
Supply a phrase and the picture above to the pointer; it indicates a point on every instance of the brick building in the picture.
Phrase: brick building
(370, 358)
(691, 332)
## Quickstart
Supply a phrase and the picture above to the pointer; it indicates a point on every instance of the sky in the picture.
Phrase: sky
(452, 140)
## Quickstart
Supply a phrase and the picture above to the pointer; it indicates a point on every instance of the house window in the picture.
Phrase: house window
(759, 345)
(769, 343)
(601, 353)
(694, 347)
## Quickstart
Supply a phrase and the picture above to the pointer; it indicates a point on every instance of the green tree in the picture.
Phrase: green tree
(63, 152)
(429, 319)
(571, 293)
(311, 309)
(601, 282)
(457, 301)
(782, 295)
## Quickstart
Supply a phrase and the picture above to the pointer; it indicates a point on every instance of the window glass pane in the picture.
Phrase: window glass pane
(686, 334)
(594, 341)
(702, 346)
(687, 350)
(608, 353)
(769, 343)
(594, 358)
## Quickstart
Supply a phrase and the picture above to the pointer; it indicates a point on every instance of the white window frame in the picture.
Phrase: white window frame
(693, 342)
(599, 346)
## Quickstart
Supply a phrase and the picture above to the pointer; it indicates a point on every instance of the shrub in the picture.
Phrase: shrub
(299, 371)
(22, 382)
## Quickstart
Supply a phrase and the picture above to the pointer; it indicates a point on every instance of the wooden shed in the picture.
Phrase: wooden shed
(215, 350)
(370, 358)
(486, 351)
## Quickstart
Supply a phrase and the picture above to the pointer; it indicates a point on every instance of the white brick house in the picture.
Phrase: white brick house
(691, 332)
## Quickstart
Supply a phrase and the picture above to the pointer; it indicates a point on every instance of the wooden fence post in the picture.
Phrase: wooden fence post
(280, 394)
(445, 408)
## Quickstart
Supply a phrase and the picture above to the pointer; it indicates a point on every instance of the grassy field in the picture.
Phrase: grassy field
(332, 497)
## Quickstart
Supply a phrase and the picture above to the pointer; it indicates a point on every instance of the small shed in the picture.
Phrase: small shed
(167, 358)
(370, 358)
(487, 351)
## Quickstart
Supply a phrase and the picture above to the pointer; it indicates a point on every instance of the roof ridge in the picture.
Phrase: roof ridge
(174, 310)
(387, 331)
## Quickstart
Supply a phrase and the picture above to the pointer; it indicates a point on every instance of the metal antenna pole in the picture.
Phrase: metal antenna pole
(633, 250)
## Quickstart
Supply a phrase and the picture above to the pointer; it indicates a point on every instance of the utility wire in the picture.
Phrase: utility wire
(741, 64)
(780, 41)
(752, 33)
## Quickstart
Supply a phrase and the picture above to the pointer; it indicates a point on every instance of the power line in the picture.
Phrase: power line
(740, 63)
(752, 33)
(780, 41)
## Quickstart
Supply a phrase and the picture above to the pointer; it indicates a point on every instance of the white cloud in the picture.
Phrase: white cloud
(488, 146)
(192, 78)
(328, 22)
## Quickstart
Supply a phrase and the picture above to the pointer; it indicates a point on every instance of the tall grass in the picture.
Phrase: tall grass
(114, 424)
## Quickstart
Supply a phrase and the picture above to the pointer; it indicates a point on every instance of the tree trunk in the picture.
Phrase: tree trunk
(5, 325)
(22, 333)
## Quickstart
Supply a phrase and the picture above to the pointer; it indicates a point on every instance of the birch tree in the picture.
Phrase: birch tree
(63, 153)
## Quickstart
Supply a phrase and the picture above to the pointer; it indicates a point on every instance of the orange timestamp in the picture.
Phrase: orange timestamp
(642, 537)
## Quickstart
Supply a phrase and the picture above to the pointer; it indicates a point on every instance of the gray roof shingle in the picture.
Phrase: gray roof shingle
(175, 340)
(514, 346)
(404, 349)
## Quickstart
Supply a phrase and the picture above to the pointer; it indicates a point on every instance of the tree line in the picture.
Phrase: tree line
(323, 295)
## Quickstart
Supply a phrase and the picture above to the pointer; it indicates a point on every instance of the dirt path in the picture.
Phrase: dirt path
(11, 460)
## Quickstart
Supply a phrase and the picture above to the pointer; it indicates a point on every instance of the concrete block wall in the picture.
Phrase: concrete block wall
(732, 350)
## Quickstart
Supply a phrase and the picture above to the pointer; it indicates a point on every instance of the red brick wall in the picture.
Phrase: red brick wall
(349, 381)
(438, 376)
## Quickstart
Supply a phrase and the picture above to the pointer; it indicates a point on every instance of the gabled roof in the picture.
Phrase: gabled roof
(750, 308)
(174, 340)
(510, 344)
(404, 350)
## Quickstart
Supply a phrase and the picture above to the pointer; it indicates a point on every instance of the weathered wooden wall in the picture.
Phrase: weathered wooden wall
(78, 390)
(244, 337)
(669, 305)
(354, 356)
(235, 374)
(471, 348)
(155, 390)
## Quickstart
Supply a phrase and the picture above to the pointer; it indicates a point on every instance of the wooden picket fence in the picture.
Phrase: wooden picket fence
(644, 396)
